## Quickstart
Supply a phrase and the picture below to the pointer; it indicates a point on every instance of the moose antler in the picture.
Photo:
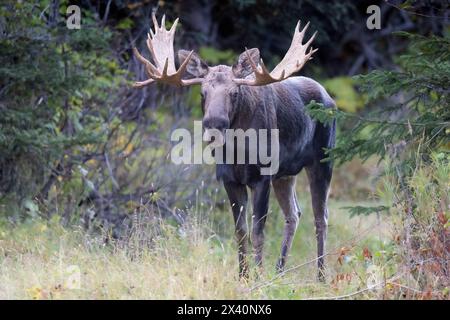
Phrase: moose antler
(293, 61)
(160, 45)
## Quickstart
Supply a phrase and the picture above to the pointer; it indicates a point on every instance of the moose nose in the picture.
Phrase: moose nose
(216, 123)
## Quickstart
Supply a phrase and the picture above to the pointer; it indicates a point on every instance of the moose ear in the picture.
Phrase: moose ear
(196, 68)
(242, 67)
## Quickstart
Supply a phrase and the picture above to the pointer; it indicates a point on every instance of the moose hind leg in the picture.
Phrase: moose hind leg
(237, 195)
(260, 197)
(284, 189)
(319, 176)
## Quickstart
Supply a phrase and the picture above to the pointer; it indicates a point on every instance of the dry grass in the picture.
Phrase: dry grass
(42, 260)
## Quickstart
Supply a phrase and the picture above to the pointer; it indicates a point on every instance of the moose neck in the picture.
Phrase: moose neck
(255, 108)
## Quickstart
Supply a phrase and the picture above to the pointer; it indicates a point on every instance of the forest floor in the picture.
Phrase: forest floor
(43, 260)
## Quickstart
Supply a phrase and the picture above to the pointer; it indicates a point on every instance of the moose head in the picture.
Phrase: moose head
(220, 85)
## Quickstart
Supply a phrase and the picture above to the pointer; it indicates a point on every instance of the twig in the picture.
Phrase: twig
(344, 296)
(105, 16)
(336, 252)
(352, 294)
(111, 174)
(415, 13)
(281, 274)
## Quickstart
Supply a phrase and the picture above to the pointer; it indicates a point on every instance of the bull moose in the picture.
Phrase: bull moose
(244, 96)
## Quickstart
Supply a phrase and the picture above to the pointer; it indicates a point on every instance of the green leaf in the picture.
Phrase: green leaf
(125, 24)
(216, 56)
(344, 93)
(365, 211)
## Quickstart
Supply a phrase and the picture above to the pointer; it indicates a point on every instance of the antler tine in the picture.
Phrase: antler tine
(140, 84)
(310, 39)
(166, 65)
(182, 69)
(302, 33)
(297, 32)
(144, 61)
(140, 57)
(163, 22)
(263, 67)
(174, 26)
(293, 61)
(183, 66)
(311, 52)
(297, 27)
(190, 82)
(160, 44)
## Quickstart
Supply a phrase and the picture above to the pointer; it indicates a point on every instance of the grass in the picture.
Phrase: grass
(43, 260)
(368, 257)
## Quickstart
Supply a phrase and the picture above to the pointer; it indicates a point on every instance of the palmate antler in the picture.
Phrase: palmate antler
(160, 45)
(293, 61)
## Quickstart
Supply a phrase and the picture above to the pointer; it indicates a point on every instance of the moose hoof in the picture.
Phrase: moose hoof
(321, 276)
(280, 266)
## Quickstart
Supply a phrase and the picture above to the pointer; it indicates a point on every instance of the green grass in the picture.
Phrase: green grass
(43, 260)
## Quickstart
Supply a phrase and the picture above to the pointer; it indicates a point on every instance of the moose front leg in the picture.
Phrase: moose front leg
(285, 192)
(260, 198)
(237, 194)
